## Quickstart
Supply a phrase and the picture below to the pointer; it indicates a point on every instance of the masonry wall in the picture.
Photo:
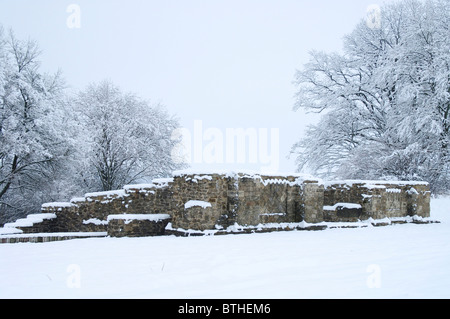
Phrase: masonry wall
(245, 199)
(312, 201)
(137, 225)
(90, 213)
(378, 199)
(217, 201)
(236, 198)
(212, 190)
(267, 199)
(68, 218)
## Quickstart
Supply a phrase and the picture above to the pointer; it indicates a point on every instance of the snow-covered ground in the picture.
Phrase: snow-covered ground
(400, 261)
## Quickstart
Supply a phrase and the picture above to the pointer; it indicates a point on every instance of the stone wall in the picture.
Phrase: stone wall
(200, 202)
(378, 199)
(312, 201)
(137, 225)
(243, 199)
(264, 199)
(209, 201)
(90, 213)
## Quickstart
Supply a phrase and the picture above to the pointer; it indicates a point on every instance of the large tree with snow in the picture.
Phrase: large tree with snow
(32, 138)
(385, 100)
(54, 145)
(122, 138)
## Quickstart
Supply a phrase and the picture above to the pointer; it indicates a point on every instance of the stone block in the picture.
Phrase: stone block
(137, 225)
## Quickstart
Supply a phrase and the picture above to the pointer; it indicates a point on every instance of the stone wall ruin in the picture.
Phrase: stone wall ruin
(202, 203)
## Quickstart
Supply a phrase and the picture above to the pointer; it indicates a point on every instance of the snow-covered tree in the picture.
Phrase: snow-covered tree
(122, 138)
(32, 138)
(385, 100)
(54, 145)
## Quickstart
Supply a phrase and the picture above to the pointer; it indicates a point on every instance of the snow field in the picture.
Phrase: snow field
(400, 261)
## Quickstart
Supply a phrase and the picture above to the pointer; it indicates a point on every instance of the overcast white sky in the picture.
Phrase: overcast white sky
(228, 63)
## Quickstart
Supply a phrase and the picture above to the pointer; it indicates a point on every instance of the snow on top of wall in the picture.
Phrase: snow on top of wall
(191, 171)
(10, 230)
(236, 172)
(30, 220)
(197, 178)
(266, 178)
(393, 190)
(108, 194)
(58, 204)
(197, 203)
(373, 183)
(281, 178)
(156, 183)
(95, 221)
(130, 217)
(163, 180)
(343, 205)
(120, 193)
(78, 200)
